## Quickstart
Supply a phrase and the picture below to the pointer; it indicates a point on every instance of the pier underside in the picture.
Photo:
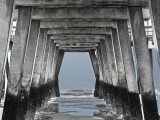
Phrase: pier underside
(111, 31)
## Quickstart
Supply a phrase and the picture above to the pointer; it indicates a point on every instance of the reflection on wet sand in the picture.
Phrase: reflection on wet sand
(76, 105)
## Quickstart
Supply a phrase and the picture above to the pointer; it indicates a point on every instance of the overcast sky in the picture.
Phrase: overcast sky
(76, 71)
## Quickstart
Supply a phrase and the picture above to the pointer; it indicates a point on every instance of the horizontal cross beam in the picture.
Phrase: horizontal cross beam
(77, 40)
(73, 45)
(98, 37)
(79, 3)
(77, 49)
(76, 24)
(79, 13)
(79, 31)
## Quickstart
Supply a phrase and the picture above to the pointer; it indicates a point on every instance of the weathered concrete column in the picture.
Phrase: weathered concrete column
(102, 74)
(96, 71)
(133, 103)
(48, 74)
(122, 77)
(18, 53)
(145, 71)
(28, 67)
(34, 90)
(6, 9)
(120, 70)
(42, 82)
(58, 66)
(108, 78)
(155, 17)
(114, 75)
(53, 80)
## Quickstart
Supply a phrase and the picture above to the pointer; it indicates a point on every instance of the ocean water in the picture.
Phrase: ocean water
(76, 104)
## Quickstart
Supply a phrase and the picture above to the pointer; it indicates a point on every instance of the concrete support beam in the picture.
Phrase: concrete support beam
(77, 40)
(27, 70)
(77, 24)
(132, 104)
(79, 13)
(57, 70)
(72, 37)
(77, 49)
(76, 3)
(77, 45)
(6, 9)
(79, 31)
(145, 71)
(18, 52)
(95, 66)
(34, 90)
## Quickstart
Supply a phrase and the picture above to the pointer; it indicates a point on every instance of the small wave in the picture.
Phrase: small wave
(73, 96)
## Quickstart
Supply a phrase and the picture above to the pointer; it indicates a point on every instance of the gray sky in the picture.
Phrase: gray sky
(76, 71)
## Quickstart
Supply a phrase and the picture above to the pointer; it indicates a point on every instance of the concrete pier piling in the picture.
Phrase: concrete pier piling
(28, 68)
(113, 70)
(107, 74)
(57, 70)
(42, 82)
(131, 88)
(155, 18)
(144, 64)
(53, 82)
(18, 54)
(34, 89)
(45, 30)
(120, 71)
(6, 8)
(48, 76)
(102, 75)
(94, 61)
